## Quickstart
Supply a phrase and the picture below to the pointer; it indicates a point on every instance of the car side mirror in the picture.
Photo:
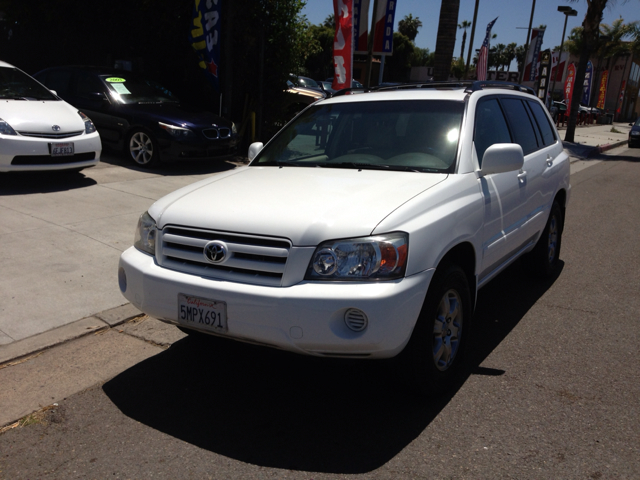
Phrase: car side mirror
(254, 149)
(502, 157)
(56, 94)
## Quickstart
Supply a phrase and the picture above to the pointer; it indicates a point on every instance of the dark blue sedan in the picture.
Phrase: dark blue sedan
(634, 134)
(141, 117)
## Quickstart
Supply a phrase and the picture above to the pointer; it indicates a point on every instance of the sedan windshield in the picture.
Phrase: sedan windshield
(17, 85)
(405, 135)
(129, 89)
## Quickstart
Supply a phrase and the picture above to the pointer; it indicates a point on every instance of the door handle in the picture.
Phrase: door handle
(522, 176)
(549, 160)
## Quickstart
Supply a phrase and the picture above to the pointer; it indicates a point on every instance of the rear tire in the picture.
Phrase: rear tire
(434, 359)
(143, 149)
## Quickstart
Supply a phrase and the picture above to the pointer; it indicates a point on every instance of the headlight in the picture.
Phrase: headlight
(89, 127)
(178, 132)
(6, 129)
(382, 257)
(635, 132)
(234, 129)
(145, 238)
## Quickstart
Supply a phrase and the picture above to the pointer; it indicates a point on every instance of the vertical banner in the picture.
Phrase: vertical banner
(343, 44)
(621, 97)
(543, 83)
(602, 93)
(586, 88)
(205, 37)
(383, 35)
(557, 67)
(361, 26)
(531, 63)
(568, 86)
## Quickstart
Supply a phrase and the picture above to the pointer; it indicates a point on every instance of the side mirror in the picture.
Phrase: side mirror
(502, 157)
(254, 149)
(56, 94)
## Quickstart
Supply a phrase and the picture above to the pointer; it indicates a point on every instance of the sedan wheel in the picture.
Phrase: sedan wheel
(143, 149)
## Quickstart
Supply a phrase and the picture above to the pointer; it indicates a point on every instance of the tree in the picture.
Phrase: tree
(464, 26)
(446, 38)
(409, 27)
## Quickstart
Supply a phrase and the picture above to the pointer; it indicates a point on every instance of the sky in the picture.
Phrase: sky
(511, 15)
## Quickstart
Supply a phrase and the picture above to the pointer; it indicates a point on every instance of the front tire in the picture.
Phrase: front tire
(435, 355)
(545, 256)
(143, 149)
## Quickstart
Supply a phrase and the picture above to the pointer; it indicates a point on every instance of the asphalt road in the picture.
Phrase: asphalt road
(552, 393)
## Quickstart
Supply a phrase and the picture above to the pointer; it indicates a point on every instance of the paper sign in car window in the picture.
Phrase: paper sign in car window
(120, 88)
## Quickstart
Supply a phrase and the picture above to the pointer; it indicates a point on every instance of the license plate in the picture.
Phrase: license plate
(202, 313)
(62, 149)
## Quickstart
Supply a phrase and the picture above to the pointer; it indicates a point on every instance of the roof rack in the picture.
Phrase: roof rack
(470, 86)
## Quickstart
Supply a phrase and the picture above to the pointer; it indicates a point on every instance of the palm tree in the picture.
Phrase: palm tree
(464, 25)
(409, 26)
(510, 54)
(446, 38)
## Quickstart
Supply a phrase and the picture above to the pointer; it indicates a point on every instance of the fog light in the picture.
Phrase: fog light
(122, 280)
(356, 320)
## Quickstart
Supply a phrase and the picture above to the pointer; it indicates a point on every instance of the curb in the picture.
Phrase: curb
(72, 331)
(603, 148)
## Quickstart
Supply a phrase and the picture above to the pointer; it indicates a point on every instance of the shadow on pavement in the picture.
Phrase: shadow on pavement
(24, 183)
(281, 410)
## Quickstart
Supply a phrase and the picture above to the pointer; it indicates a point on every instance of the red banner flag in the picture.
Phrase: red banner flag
(568, 86)
(602, 94)
(343, 44)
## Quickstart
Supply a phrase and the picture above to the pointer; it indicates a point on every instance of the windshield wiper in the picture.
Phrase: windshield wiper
(372, 166)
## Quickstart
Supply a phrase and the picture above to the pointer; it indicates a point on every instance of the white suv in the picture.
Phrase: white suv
(364, 228)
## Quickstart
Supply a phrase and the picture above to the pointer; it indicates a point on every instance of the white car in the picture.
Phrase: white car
(40, 131)
(364, 229)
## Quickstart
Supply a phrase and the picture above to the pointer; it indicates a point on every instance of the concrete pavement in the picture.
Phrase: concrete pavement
(61, 244)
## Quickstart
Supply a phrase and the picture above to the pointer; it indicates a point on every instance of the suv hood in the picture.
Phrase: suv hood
(38, 116)
(305, 205)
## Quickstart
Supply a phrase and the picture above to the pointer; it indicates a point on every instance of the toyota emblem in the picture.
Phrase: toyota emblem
(55, 128)
(215, 252)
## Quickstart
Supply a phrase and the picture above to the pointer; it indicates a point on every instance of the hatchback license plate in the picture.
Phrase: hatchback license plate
(62, 149)
(202, 313)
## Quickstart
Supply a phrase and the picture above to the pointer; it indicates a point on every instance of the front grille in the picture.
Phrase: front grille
(51, 135)
(250, 259)
(216, 133)
(49, 160)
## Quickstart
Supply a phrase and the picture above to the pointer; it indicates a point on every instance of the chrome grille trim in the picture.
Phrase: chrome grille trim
(216, 133)
(51, 135)
(251, 259)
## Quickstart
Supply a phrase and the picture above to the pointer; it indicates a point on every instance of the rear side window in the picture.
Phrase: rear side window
(490, 127)
(548, 136)
(520, 124)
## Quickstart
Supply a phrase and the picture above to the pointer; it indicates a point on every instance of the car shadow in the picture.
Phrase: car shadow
(281, 410)
(183, 167)
(25, 183)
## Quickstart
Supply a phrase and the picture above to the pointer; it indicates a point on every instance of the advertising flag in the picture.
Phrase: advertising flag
(531, 63)
(602, 93)
(557, 69)
(361, 26)
(483, 57)
(205, 37)
(383, 35)
(586, 89)
(343, 44)
(568, 86)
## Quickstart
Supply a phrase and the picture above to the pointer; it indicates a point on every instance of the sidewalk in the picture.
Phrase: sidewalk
(590, 140)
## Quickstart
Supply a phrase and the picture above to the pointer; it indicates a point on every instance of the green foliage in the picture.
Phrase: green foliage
(409, 27)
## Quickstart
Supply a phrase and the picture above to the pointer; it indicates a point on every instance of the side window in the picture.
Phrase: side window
(490, 127)
(59, 81)
(548, 135)
(520, 124)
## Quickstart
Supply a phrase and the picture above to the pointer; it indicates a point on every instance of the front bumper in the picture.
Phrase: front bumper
(305, 318)
(22, 153)
(173, 150)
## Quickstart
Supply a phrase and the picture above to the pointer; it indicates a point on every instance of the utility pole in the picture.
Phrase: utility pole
(526, 45)
(473, 32)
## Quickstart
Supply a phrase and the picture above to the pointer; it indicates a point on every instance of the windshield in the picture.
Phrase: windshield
(17, 85)
(129, 89)
(386, 135)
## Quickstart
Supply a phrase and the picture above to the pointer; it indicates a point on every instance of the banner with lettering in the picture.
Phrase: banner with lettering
(383, 35)
(533, 54)
(204, 37)
(602, 93)
(343, 44)
(568, 86)
(586, 89)
(361, 26)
